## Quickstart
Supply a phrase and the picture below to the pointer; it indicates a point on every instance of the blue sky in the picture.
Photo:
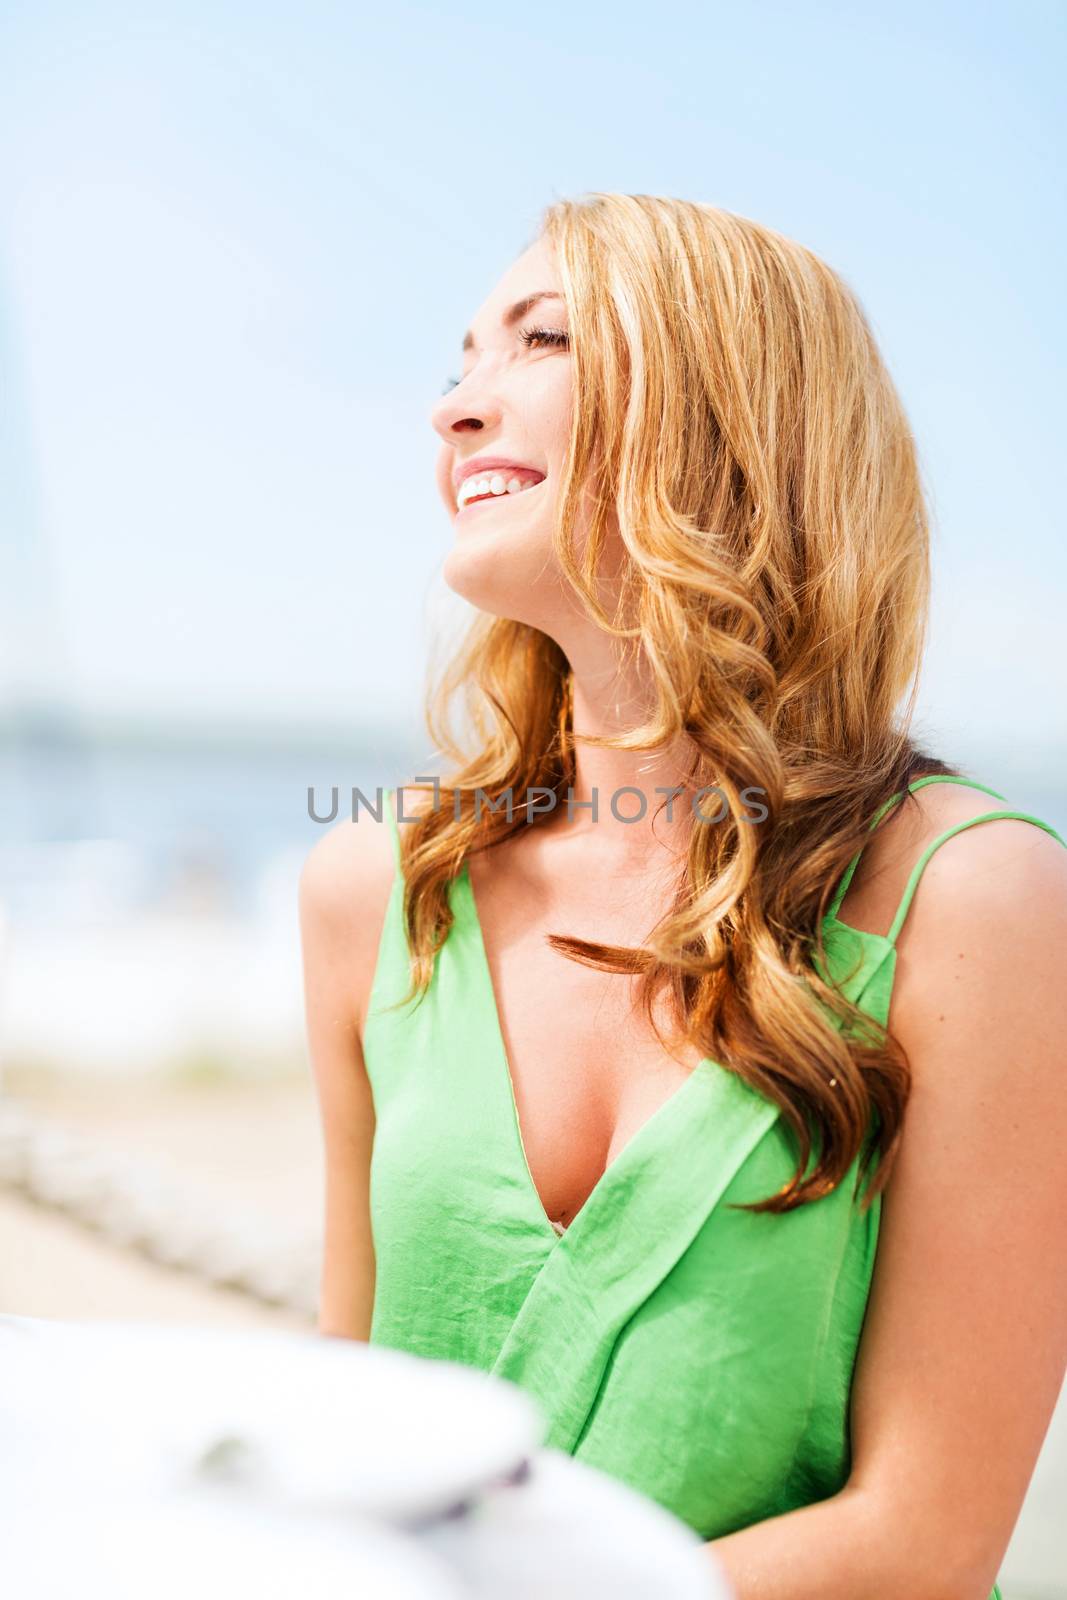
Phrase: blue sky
(240, 245)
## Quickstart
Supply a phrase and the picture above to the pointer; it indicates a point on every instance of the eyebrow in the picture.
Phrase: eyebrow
(516, 312)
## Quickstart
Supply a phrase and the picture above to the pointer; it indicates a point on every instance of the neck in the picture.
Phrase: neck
(608, 701)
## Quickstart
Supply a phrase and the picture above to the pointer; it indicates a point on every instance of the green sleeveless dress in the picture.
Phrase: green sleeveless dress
(701, 1355)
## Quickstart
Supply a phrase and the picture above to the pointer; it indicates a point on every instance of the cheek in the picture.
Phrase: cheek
(555, 408)
(445, 463)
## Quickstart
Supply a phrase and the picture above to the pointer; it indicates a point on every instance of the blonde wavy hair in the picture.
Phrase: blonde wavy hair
(732, 409)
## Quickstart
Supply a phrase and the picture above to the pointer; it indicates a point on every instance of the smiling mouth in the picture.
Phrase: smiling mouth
(489, 496)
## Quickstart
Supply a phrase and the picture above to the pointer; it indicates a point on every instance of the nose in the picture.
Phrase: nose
(469, 407)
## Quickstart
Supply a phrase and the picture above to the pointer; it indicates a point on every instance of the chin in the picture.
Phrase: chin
(508, 575)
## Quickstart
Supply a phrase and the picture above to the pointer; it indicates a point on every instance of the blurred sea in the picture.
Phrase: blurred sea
(219, 807)
(148, 883)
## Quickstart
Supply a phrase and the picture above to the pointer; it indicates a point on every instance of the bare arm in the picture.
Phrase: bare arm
(344, 887)
(965, 1338)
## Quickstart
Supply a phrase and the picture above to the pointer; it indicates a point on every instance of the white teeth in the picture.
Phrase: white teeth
(495, 484)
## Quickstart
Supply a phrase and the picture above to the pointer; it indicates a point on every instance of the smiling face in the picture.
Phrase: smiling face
(505, 429)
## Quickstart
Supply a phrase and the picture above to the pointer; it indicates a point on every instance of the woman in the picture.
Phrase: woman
(635, 1089)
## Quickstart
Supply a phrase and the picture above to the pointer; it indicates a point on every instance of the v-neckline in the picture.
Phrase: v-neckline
(633, 1146)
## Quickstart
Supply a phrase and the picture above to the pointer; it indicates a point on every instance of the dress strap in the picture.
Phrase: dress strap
(916, 783)
(970, 822)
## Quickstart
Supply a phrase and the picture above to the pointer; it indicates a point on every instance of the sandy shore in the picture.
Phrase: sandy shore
(239, 1147)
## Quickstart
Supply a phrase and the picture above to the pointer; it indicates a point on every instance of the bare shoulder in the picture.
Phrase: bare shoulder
(344, 889)
(1006, 857)
(983, 942)
(345, 861)
(1003, 872)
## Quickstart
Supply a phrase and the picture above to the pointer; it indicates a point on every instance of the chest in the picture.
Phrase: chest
(585, 1066)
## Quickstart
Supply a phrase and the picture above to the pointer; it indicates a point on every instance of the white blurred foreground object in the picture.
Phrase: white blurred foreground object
(199, 1549)
(311, 1421)
(185, 1461)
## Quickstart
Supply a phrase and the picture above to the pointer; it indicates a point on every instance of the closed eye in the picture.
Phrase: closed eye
(552, 337)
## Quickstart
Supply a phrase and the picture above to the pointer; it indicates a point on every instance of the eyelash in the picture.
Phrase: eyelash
(551, 336)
